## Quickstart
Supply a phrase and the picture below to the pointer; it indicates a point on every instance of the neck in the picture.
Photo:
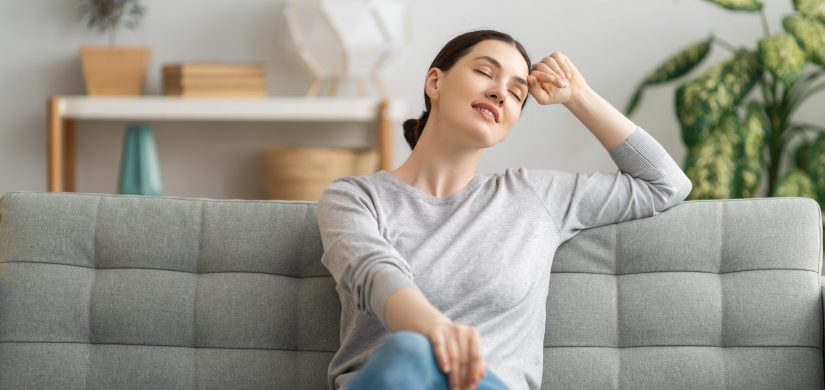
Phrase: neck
(438, 165)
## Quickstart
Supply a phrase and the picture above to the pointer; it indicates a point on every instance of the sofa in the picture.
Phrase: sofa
(132, 292)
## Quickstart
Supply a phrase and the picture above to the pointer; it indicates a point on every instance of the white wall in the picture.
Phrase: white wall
(614, 44)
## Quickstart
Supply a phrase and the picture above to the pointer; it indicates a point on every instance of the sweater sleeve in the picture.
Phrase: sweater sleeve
(648, 182)
(357, 256)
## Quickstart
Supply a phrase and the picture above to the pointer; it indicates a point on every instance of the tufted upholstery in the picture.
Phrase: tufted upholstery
(104, 291)
(116, 292)
(713, 294)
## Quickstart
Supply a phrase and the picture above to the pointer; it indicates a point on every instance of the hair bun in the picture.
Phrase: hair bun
(411, 132)
(414, 127)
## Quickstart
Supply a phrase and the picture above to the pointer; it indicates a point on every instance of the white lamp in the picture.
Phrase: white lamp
(346, 40)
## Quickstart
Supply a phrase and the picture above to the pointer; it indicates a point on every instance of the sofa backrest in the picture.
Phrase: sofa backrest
(105, 291)
(117, 292)
(707, 295)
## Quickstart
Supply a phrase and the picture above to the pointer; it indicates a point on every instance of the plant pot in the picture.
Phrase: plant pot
(114, 70)
(302, 173)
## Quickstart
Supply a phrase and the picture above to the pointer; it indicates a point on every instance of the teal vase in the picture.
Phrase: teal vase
(139, 168)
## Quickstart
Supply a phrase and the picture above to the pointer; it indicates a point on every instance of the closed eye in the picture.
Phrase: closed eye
(513, 93)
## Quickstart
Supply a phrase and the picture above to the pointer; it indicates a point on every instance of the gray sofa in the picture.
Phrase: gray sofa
(128, 292)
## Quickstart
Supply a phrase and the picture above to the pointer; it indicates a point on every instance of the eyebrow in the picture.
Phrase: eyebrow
(498, 65)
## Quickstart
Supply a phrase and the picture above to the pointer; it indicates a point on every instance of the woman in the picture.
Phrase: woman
(443, 272)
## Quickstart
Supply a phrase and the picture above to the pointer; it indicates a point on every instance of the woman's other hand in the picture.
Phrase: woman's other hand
(555, 80)
(458, 353)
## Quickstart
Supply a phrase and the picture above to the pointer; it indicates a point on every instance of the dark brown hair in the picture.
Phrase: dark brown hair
(446, 58)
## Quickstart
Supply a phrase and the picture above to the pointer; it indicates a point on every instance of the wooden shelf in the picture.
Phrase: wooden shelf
(65, 110)
(229, 109)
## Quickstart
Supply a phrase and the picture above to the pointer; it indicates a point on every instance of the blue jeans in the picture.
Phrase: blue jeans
(406, 361)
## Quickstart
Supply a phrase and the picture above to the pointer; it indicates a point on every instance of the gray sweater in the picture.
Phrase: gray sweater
(482, 255)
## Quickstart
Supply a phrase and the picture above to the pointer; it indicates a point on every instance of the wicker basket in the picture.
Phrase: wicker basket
(302, 173)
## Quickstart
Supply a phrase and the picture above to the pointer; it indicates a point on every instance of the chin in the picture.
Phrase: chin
(485, 136)
(481, 134)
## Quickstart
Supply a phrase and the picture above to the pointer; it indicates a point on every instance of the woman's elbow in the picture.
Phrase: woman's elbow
(672, 193)
(679, 191)
(683, 188)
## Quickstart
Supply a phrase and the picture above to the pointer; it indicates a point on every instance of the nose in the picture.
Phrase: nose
(496, 93)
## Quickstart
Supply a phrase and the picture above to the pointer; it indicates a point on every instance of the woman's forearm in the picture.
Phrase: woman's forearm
(409, 309)
(608, 124)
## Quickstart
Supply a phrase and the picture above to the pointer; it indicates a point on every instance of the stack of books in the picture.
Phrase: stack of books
(213, 79)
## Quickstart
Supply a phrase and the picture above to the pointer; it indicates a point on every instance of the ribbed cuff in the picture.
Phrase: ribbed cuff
(638, 153)
(384, 283)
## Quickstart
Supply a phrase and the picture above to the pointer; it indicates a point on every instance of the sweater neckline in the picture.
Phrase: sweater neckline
(417, 193)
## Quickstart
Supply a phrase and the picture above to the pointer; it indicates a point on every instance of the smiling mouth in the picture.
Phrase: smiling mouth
(488, 112)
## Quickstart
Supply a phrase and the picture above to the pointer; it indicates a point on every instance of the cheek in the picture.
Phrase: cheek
(515, 113)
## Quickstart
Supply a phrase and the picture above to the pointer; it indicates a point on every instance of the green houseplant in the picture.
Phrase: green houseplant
(111, 69)
(733, 135)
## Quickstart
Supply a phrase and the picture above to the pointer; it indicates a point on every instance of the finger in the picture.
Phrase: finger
(554, 64)
(568, 67)
(474, 350)
(462, 359)
(558, 80)
(536, 80)
(544, 77)
(565, 63)
(542, 92)
(545, 74)
(440, 348)
(466, 358)
(535, 89)
(453, 352)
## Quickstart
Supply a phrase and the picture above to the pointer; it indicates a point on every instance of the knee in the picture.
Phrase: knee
(404, 361)
(410, 344)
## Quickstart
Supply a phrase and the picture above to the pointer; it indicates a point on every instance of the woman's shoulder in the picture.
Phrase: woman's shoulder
(360, 186)
(360, 183)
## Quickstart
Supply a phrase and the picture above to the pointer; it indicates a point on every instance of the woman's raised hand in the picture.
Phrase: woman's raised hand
(555, 79)
(458, 352)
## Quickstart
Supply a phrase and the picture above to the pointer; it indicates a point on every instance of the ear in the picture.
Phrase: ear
(432, 83)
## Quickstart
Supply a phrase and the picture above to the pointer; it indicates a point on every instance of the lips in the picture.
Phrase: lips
(487, 109)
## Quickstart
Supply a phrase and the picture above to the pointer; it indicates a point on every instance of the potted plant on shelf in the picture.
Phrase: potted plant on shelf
(113, 70)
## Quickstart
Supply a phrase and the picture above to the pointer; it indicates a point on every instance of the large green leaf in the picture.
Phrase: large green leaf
(672, 68)
(816, 166)
(809, 34)
(782, 57)
(739, 5)
(795, 183)
(680, 63)
(700, 103)
(750, 150)
(712, 164)
(812, 8)
(695, 117)
(800, 155)
(742, 74)
(634, 100)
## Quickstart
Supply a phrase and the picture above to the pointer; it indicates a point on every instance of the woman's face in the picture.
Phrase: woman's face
(480, 98)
